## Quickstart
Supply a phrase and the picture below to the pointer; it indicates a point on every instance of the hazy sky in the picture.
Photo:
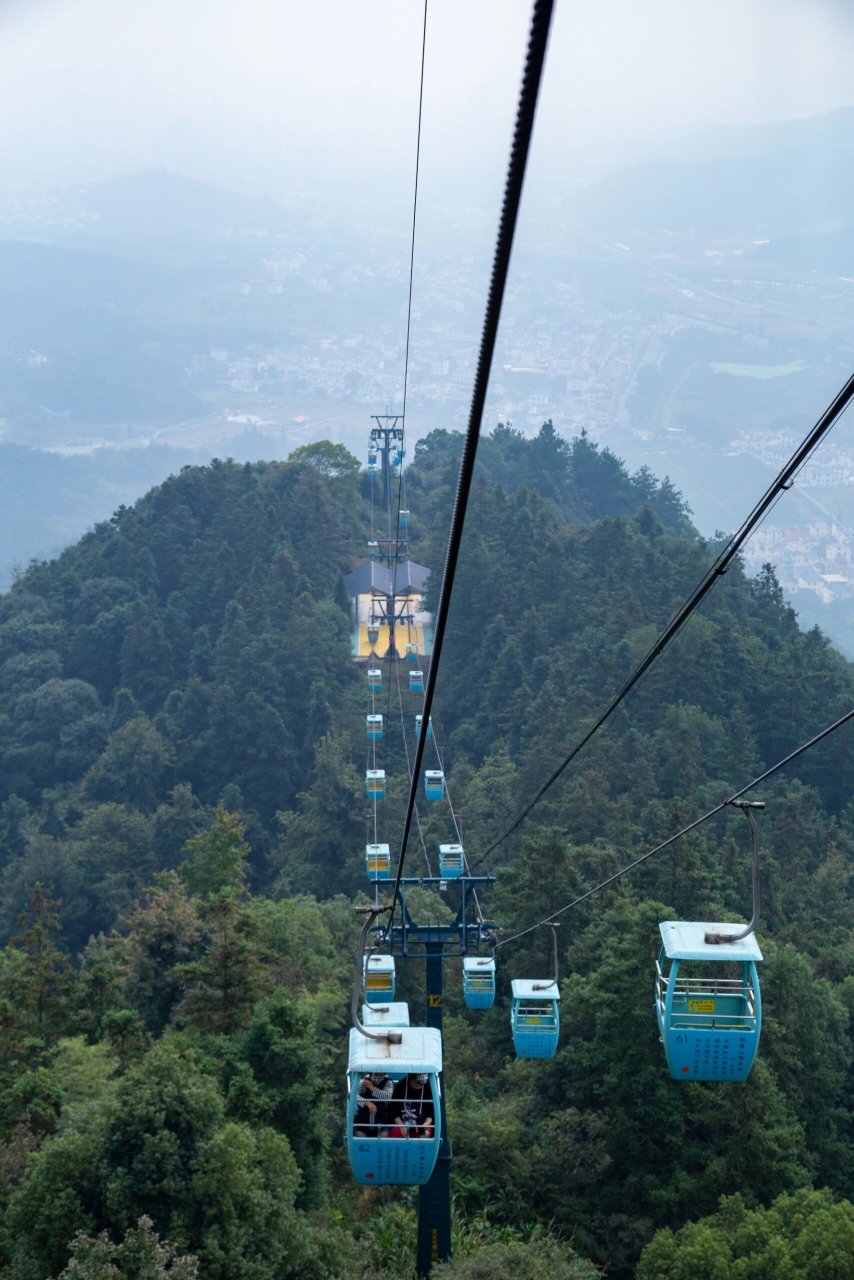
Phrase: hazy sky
(296, 94)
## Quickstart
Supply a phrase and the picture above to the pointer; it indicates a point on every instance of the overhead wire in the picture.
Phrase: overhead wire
(763, 777)
(532, 75)
(446, 791)
(409, 772)
(718, 568)
(394, 560)
(454, 820)
(414, 214)
(371, 764)
(400, 480)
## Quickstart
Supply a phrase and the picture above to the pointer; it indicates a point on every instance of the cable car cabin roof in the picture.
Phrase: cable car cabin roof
(377, 961)
(479, 964)
(394, 1014)
(686, 940)
(534, 989)
(373, 576)
(420, 1050)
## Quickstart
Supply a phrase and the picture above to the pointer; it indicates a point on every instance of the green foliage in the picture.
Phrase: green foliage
(291, 1082)
(34, 980)
(318, 839)
(181, 733)
(221, 987)
(329, 459)
(57, 1196)
(136, 759)
(140, 1256)
(217, 862)
(803, 1236)
(540, 1257)
(156, 939)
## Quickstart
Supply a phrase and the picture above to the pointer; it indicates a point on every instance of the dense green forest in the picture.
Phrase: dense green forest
(182, 830)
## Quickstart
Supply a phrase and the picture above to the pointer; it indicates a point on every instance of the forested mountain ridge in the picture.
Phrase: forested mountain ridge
(201, 639)
(172, 1040)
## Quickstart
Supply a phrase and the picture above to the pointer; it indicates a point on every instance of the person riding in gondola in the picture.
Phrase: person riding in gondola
(372, 1099)
(411, 1111)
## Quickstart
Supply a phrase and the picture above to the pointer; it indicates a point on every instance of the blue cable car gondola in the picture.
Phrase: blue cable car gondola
(375, 783)
(434, 784)
(479, 982)
(385, 1153)
(418, 720)
(374, 550)
(452, 861)
(404, 519)
(394, 1014)
(707, 1002)
(378, 861)
(416, 682)
(412, 652)
(398, 456)
(373, 633)
(379, 979)
(375, 679)
(375, 727)
(373, 464)
(535, 1018)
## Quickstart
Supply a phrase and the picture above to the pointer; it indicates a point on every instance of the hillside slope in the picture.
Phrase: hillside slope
(182, 738)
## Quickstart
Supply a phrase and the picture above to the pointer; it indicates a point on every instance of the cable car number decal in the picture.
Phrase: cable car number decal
(434, 1001)
(701, 1006)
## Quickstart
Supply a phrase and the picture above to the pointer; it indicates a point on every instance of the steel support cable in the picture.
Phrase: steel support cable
(455, 823)
(367, 767)
(414, 212)
(763, 777)
(717, 570)
(446, 790)
(396, 544)
(409, 299)
(447, 794)
(409, 773)
(532, 75)
(371, 762)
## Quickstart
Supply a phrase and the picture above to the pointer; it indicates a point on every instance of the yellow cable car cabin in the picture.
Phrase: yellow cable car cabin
(375, 783)
(378, 861)
(379, 979)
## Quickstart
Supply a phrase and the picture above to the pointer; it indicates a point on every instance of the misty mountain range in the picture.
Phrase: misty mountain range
(112, 297)
(778, 180)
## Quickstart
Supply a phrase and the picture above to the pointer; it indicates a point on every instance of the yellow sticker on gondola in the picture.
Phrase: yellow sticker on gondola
(701, 1006)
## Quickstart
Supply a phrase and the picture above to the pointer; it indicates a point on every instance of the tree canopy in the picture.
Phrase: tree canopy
(182, 832)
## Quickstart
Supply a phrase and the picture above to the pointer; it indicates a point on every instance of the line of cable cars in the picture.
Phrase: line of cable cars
(394, 1083)
(416, 680)
(394, 1087)
(710, 1026)
(375, 779)
(535, 1018)
(708, 1003)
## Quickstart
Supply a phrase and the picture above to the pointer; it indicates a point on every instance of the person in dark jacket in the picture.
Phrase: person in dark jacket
(372, 1099)
(411, 1112)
